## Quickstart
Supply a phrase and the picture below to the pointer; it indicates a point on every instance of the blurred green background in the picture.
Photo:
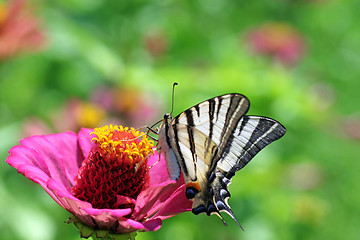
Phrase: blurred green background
(67, 64)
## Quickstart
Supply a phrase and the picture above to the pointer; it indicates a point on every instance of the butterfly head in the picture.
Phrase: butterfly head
(167, 118)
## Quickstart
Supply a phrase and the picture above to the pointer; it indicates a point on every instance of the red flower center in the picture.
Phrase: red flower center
(116, 165)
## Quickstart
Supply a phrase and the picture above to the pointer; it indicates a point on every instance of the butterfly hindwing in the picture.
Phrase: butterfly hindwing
(251, 135)
(196, 151)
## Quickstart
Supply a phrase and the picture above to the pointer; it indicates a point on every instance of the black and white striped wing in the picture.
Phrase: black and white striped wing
(213, 140)
(252, 134)
(217, 118)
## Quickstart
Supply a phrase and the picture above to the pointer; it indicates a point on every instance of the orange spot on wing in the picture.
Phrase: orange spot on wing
(194, 185)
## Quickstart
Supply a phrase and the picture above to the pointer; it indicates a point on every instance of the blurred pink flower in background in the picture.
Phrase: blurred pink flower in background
(79, 113)
(19, 29)
(74, 115)
(106, 105)
(107, 181)
(351, 127)
(280, 41)
(156, 43)
(127, 105)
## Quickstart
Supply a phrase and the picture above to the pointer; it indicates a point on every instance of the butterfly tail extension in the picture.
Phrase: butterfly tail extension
(221, 195)
(206, 207)
(214, 200)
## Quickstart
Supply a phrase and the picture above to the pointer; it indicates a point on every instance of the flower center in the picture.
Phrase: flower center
(116, 166)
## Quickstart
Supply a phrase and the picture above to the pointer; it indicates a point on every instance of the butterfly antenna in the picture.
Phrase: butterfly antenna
(172, 101)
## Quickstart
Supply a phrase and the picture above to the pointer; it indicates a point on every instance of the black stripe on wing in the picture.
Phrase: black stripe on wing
(211, 116)
(236, 109)
(217, 118)
(265, 131)
(241, 126)
(190, 124)
(252, 134)
(220, 99)
(178, 149)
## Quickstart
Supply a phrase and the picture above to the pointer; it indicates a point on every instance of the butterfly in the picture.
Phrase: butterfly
(209, 143)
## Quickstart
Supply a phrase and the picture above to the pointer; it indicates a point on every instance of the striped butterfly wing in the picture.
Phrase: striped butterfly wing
(210, 142)
(252, 134)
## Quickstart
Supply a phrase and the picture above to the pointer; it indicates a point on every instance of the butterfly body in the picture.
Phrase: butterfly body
(208, 143)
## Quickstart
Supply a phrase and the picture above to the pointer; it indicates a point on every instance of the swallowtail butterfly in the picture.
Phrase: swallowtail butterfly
(211, 141)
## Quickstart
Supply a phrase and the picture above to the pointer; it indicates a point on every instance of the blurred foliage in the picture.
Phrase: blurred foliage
(305, 186)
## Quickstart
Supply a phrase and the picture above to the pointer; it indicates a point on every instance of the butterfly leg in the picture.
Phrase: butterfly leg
(155, 162)
(156, 131)
(150, 129)
(152, 138)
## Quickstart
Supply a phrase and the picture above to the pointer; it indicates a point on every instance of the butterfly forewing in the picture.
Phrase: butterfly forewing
(216, 117)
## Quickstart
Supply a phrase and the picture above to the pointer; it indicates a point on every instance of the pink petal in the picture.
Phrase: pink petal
(64, 195)
(60, 190)
(33, 173)
(152, 199)
(84, 140)
(70, 203)
(117, 213)
(39, 158)
(153, 224)
(106, 218)
(176, 203)
(20, 155)
(158, 172)
(38, 176)
(129, 225)
(59, 152)
(135, 224)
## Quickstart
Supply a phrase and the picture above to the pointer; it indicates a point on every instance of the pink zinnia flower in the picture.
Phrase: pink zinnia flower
(19, 29)
(277, 40)
(110, 181)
